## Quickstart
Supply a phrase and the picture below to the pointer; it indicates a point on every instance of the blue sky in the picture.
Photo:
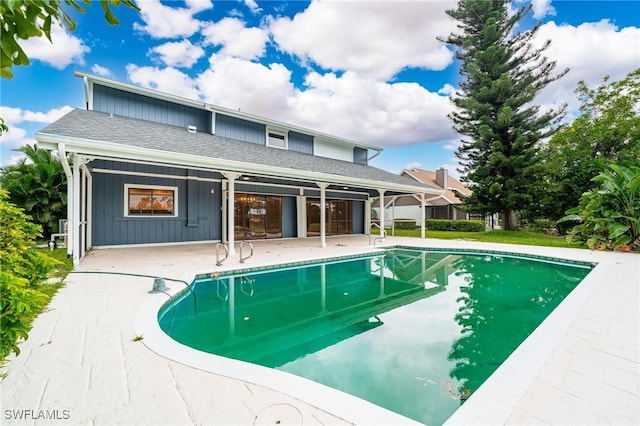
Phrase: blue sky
(370, 71)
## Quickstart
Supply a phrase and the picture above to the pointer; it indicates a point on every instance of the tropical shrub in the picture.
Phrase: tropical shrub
(38, 185)
(455, 225)
(24, 270)
(19, 304)
(609, 215)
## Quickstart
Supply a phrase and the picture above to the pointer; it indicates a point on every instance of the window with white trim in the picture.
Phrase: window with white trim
(276, 139)
(150, 200)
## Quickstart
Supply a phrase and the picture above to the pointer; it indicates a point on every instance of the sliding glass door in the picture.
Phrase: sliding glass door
(338, 217)
(257, 216)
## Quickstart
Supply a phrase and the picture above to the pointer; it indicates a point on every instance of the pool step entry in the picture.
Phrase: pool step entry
(226, 253)
(242, 244)
(383, 234)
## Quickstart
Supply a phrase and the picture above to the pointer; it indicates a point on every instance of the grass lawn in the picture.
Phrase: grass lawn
(496, 236)
(56, 278)
(60, 254)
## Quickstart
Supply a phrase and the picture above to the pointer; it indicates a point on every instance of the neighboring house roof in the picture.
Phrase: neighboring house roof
(99, 134)
(454, 186)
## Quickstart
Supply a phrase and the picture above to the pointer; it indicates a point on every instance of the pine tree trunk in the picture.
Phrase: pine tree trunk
(510, 220)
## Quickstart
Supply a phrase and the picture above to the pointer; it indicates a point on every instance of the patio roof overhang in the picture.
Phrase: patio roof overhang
(99, 148)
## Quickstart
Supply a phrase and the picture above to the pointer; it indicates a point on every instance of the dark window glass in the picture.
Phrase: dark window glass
(338, 219)
(151, 202)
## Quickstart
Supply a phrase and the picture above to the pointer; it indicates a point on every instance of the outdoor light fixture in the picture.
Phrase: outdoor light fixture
(159, 286)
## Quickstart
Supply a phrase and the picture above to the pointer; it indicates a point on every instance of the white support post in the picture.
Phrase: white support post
(422, 216)
(367, 217)
(83, 210)
(62, 155)
(323, 213)
(231, 228)
(393, 216)
(89, 208)
(381, 192)
(75, 222)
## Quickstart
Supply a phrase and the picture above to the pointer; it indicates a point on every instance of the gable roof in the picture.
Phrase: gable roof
(90, 79)
(428, 177)
(94, 133)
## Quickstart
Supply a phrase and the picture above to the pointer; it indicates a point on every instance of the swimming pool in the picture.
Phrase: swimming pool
(415, 331)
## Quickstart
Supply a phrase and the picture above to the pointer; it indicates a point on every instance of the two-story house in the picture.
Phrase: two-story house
(146, 167)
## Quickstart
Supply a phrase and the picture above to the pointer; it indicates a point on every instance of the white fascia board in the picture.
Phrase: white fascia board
(92, 147)
(214, 108)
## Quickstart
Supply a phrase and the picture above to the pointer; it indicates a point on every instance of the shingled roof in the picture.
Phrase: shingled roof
(96, 133)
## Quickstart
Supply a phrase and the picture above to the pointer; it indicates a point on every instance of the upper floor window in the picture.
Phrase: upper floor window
(148, 200)
(276, 139)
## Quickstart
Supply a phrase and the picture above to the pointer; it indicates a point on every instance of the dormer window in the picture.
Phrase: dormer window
(276, 139)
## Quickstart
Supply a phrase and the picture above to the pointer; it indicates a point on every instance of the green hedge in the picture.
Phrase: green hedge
(404, 223)
(455, 225)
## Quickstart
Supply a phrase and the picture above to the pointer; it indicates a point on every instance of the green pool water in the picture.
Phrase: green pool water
(414, 331)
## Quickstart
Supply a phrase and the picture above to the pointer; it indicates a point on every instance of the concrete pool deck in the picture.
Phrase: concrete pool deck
(83, 365)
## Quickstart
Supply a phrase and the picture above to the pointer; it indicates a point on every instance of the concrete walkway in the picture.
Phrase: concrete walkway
(83, 364)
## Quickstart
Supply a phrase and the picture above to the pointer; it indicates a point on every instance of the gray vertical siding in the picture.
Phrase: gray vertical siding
(199, 214)
(357, 212)
(289, 217)
(243, 130)
(119, 102)
(360, 155)
(300, 142)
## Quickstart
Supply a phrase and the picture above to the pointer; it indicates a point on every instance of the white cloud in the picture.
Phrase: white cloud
(384, 114)
(542, 8)
(169, 80)
(100, 70)
(65, 49)
(46, 117)
(447, 90)
(178, 54)
(236, 39)
(13, 160)
(452, 144)
(253, 6)
(249, 86)
(198, 5)
(375, 39)
(13, 136)
(168, 22)
(14, 117)
(588, 50)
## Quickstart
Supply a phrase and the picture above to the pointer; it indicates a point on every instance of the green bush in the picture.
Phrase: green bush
(609, 215)
(19, 305)
(546, 226)
(404, 223)
(24, 270)
(455, 225)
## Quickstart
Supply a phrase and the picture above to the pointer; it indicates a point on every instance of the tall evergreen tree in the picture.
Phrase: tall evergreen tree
(502, 73)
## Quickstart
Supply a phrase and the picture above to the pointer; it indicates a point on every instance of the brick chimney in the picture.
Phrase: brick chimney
(442, 178)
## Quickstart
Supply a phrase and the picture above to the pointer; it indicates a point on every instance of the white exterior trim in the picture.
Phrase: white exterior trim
(154, 175)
